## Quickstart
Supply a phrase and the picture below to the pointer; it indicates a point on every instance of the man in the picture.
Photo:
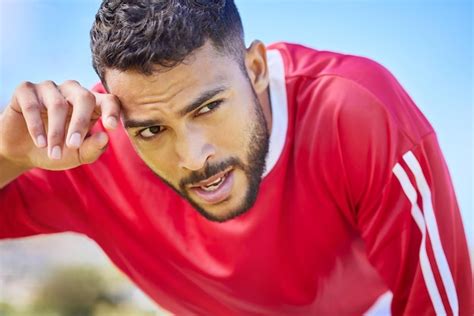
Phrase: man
(319, 187)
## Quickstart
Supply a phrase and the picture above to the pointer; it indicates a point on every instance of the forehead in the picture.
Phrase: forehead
(203, 69)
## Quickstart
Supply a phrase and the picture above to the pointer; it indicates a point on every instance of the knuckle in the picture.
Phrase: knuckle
(55, 135)
(86, 159)
(111, 104)
(111, 97)
(86, 95)
(29, 107)
(25, 85)
(56, 103)
(82, 122)
(36, 127)
(71, 83)
(48, 83)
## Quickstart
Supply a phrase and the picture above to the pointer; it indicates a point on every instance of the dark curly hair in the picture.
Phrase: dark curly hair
(140, 34)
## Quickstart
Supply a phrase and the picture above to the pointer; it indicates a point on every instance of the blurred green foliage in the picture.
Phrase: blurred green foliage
(72, 292)
(77, 291)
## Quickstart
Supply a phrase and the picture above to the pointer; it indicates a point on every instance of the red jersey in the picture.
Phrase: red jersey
(356, 212)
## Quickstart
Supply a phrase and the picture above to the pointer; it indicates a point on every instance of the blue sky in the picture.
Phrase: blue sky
(427, 45)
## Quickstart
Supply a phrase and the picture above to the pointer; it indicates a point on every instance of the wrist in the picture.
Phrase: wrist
(9, 171)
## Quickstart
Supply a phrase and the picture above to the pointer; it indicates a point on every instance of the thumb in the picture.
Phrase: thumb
(93, 147)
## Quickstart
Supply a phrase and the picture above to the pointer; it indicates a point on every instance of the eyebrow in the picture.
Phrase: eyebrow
(202, 98)
(131, 123)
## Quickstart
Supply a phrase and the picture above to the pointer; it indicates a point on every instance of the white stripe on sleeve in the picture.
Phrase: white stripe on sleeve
(417, 215)
(433, 232)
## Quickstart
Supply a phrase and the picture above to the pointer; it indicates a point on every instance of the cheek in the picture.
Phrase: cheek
(232, 134)
(242, 131)
(158, 161)
(229, 133)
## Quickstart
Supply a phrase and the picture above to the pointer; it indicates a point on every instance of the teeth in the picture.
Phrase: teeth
(214, 185)
(215, 182)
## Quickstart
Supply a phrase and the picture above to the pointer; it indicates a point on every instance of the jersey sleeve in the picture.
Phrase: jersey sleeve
(41, 202)
(398, 195)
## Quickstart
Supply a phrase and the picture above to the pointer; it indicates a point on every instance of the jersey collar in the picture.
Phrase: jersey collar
(279, 106)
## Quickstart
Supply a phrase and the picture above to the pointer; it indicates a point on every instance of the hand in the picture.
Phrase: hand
(47, 125)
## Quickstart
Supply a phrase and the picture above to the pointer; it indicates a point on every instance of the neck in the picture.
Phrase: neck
(265, 101)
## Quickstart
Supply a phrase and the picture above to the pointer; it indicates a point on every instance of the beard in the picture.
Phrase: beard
(255, 156)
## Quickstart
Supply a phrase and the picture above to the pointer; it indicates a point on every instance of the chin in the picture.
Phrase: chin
(228, 209)
(222, 215)
(238, 200)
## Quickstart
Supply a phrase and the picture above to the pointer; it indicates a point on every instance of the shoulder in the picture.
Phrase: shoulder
(308, 62)
(328, 84)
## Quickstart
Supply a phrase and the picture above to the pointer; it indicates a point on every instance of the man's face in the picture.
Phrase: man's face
(200, 127)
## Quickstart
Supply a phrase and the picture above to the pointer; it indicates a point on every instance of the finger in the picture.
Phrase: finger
(26, 101)
(58, 110)
(110, 107)
(83, 105)
(93, 147)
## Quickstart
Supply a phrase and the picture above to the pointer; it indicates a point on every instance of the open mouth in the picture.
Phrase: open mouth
(214, 185)
(216, 188)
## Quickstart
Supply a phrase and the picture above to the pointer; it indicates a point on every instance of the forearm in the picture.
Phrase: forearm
(9, 171)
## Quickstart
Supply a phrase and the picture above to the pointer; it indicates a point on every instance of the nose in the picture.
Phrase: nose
(193, 150)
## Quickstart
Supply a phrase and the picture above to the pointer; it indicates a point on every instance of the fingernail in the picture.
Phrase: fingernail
(102, 138)
(41, 141)
(56, 153)
(111, 122)
(75, 140)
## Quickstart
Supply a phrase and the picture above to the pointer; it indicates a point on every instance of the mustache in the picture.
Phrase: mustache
(210, 170)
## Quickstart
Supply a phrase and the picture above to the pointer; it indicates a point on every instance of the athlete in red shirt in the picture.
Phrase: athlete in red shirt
(320, 187)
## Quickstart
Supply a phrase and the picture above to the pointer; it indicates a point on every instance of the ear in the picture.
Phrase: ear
(256, 64)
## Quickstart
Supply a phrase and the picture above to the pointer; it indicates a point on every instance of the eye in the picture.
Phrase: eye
(150, 132)
(209, 107)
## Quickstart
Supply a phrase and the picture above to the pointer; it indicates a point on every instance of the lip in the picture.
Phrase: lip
(219, 195)
(211, 179)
